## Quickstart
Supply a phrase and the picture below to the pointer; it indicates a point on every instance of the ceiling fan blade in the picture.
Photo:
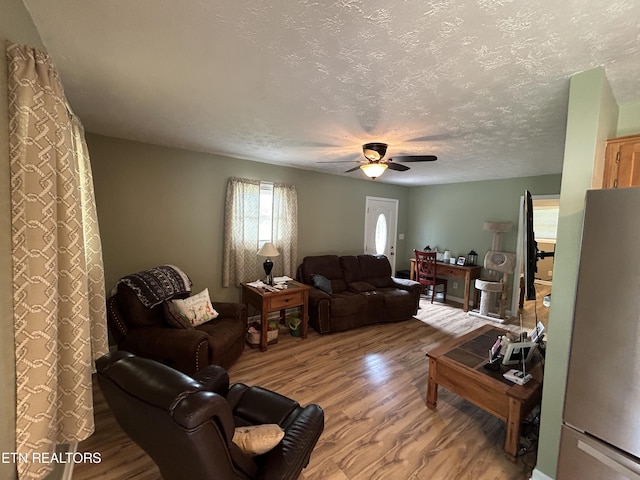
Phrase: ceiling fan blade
(343, 159)
(340, 161)
(352, 169)
(397, 166)
(415, 158)
(431, 138)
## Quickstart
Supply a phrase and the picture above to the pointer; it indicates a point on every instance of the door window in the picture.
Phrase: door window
(381, 234)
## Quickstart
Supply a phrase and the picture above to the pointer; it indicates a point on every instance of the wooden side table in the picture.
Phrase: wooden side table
(295, 295)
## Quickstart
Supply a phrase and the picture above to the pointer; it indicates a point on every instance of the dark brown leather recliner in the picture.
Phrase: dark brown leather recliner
(146, 332)
(185, 424)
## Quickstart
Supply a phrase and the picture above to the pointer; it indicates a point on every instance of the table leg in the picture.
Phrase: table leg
(263, 328)
(305, 316)
(432, 386)
(512, 437)
(467, 282)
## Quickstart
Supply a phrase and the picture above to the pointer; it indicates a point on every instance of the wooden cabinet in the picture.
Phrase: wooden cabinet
(622, 163)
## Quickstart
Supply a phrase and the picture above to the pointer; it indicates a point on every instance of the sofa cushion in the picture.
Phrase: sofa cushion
(376, 270)
(222, 332)
(348, 303)
(321, 282)
(394, 297)
(350, 268)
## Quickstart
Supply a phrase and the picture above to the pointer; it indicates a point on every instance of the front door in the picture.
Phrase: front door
(380, 228)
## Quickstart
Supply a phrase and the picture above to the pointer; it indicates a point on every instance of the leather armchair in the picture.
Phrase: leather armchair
(186, 424)
(146, 332)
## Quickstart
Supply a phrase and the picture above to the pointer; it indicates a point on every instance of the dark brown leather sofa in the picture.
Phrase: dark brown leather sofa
(360, 291)
(186, 424)
(145, 332)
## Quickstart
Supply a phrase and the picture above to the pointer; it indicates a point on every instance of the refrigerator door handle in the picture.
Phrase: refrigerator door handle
(611, 459)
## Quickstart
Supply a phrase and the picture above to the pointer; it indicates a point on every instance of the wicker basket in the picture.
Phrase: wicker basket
(253, 339)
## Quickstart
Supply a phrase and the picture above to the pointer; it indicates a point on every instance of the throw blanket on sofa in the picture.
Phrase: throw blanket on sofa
(158, 284)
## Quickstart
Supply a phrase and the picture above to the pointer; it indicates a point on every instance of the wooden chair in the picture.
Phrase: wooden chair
(426, 271)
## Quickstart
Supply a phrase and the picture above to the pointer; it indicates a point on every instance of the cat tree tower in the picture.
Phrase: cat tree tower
(497, 262)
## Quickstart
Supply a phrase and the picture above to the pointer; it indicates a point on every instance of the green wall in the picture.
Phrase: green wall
(17, 27)
(628, 120)
(451, 216)
(592, 119)
(161, 205)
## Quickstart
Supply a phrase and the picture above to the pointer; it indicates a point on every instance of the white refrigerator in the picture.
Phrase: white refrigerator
(601, 423)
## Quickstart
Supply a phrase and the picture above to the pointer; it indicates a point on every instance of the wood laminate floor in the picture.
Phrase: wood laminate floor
(533, 311)
(371, 383)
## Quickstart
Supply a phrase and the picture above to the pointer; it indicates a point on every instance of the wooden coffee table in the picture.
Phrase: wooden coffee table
(458, 365)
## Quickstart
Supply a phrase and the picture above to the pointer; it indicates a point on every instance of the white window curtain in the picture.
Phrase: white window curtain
(241, 262)
(58, 276)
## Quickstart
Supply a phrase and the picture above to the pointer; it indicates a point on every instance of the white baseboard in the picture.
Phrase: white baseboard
(454, 299)
(538, 475)
(449, 297)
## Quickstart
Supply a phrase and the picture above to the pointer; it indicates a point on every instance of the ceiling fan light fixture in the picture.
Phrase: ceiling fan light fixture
(373, 170)
(374, 151)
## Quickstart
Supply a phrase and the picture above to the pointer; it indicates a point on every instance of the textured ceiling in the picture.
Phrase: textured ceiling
(482, 84)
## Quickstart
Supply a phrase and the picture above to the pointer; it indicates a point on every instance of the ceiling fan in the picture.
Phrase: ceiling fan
(375, 164)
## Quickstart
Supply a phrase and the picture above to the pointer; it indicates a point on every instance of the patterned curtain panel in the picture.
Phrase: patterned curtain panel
(285, 229)
(242, 216)
(58, 277)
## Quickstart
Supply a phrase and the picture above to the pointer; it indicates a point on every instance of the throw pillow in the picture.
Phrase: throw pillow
(197, 308)
(258, 439)
(321, 283)
(173, 316)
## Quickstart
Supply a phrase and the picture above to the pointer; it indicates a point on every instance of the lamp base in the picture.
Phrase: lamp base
(268, 266)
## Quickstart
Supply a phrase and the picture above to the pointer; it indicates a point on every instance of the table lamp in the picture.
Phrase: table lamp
(268, 250)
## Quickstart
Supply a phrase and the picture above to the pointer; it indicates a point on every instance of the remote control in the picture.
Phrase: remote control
(517, 376)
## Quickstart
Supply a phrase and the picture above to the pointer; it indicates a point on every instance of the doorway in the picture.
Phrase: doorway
(381, 227)
(545, 224)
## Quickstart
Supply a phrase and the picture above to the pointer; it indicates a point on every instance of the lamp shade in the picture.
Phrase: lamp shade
(268, 250)
(373, 170)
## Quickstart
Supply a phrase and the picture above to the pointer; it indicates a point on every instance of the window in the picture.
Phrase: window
(381, 234)
(545, 221)
(265, 221)
(258, 212)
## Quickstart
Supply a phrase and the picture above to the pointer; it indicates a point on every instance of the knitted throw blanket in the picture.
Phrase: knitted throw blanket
(158, 284)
